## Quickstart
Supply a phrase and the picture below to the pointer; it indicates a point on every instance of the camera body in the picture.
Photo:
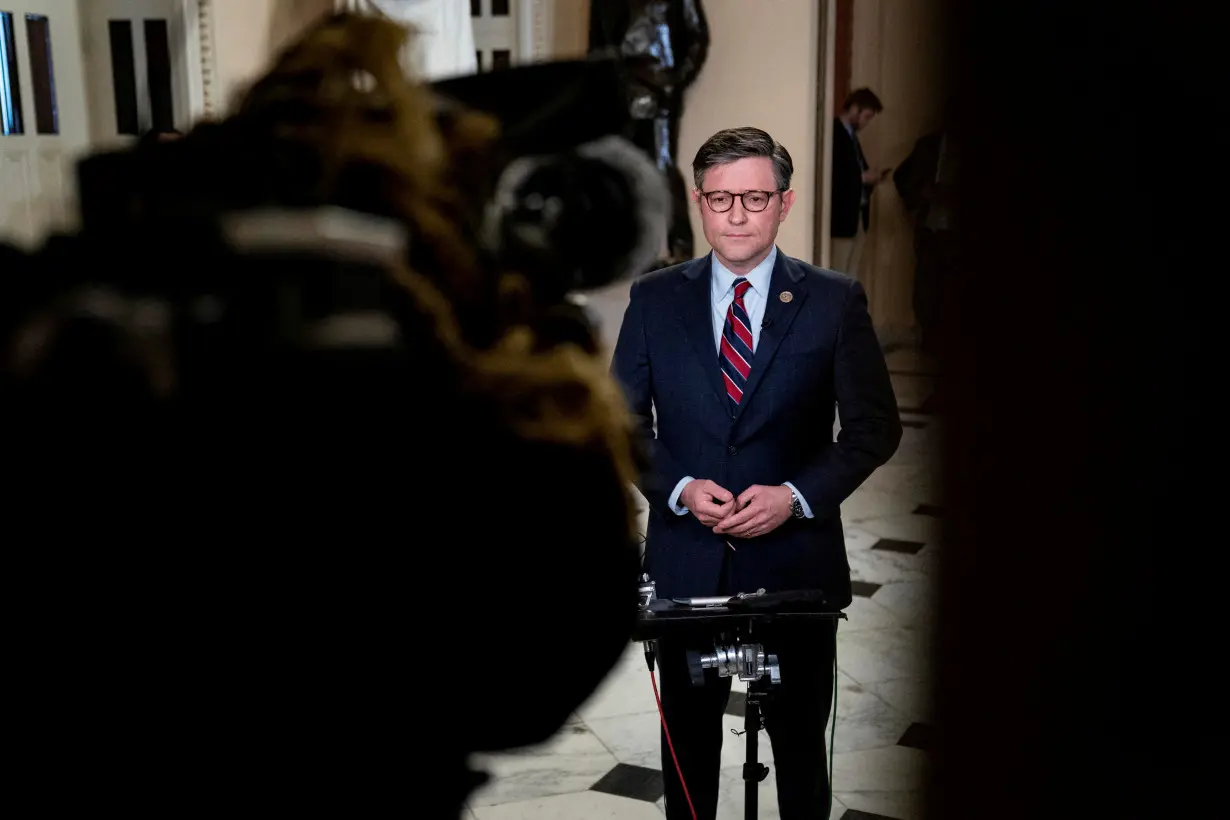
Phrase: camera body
(275, 446)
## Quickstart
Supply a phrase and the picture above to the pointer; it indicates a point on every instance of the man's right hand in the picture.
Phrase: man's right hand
(708, 501)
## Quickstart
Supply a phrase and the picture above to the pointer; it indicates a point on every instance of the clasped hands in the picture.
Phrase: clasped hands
(758, 510)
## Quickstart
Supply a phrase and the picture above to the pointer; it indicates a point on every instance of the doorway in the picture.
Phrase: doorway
(141, 63)
(44, 125)
(83, 75)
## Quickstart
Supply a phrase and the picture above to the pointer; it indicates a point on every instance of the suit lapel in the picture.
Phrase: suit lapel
(695, 308)
(779, 314)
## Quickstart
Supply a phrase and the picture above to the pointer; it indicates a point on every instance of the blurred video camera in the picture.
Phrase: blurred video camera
(297, 418)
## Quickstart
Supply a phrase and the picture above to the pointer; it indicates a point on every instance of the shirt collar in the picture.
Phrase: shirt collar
(758, 277)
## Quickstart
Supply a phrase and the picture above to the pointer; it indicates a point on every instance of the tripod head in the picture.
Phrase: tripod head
(729, 628)
(745, 661)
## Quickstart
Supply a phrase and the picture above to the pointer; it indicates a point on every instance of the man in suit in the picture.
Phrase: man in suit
(743, 356)
(853, 180)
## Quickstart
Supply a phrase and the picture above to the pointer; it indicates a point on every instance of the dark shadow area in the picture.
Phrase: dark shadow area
(1080, 418)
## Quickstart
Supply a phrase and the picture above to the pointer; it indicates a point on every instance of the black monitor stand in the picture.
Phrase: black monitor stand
(734, 633)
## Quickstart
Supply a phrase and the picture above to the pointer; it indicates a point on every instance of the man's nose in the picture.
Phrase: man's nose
(737, 213)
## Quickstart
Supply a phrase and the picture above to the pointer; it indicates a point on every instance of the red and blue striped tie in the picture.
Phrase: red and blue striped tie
(735, 358)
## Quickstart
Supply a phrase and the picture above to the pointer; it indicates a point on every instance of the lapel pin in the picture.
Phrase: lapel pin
(786, 296)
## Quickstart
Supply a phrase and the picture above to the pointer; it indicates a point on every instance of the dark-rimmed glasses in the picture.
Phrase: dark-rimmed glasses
(722, 201)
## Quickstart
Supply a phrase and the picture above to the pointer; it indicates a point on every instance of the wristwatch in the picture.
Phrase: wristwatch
(796, 505)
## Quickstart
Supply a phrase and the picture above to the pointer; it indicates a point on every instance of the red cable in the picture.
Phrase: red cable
(653, 679)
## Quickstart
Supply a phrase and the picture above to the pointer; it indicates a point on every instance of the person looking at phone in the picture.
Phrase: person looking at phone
(854, 180)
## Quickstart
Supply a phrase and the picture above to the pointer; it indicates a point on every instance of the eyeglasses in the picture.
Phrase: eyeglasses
(722, 201)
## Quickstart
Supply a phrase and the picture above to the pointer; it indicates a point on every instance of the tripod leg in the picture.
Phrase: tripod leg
(754, 772)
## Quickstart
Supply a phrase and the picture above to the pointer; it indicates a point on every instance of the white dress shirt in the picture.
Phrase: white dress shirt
(722, 293)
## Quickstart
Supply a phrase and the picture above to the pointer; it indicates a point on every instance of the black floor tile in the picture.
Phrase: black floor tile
(932, 510)
(895, 545)
(851, 814)
(737, 705)
(864, 589)
(918, 736)
(636, 782)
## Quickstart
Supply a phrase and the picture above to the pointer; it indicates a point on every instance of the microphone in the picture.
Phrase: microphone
(768, 320)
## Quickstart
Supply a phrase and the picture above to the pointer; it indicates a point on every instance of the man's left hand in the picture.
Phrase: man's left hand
(760, 510)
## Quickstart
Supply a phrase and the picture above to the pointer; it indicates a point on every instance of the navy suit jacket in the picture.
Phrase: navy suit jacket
(817, 353)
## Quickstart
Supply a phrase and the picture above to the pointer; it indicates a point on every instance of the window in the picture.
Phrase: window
(124, 77)
(495, 32)
(42, 75)
(158, 73)
(10, 79)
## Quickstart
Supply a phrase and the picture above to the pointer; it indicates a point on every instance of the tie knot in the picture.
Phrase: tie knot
(741, 286)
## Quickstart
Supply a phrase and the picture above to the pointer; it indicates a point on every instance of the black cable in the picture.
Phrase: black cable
(833, 729)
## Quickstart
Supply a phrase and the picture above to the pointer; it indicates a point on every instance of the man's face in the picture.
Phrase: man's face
(862, 118)
(742, 238)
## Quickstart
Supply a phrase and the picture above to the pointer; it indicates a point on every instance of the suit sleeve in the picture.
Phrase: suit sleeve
(630, 366)
(867, 407)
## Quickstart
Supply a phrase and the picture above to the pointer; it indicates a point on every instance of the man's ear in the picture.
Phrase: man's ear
(787, 204)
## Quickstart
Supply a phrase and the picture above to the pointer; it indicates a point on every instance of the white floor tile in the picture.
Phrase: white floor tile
(633, 739)
(864, 721)
(865, 613)
(585, 805)
(626, 691)
(888, 567)
(731, 790)
(904, 525)
(912, 602)
(909, 696)
(865, 504)
(572, 761)
(904, 805)
(891, 769)
(873, 655)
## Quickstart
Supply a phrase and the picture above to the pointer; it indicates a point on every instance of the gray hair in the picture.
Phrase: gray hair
(733, 144)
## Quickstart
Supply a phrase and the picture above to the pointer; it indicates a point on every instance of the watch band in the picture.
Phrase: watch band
(796, 505)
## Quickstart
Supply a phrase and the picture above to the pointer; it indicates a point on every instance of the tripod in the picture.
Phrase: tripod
(750, 663)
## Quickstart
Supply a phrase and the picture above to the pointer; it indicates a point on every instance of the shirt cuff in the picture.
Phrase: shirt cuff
(807, 513)
(673, 501)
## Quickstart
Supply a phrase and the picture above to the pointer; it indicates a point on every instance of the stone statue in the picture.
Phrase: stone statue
(664, 44)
